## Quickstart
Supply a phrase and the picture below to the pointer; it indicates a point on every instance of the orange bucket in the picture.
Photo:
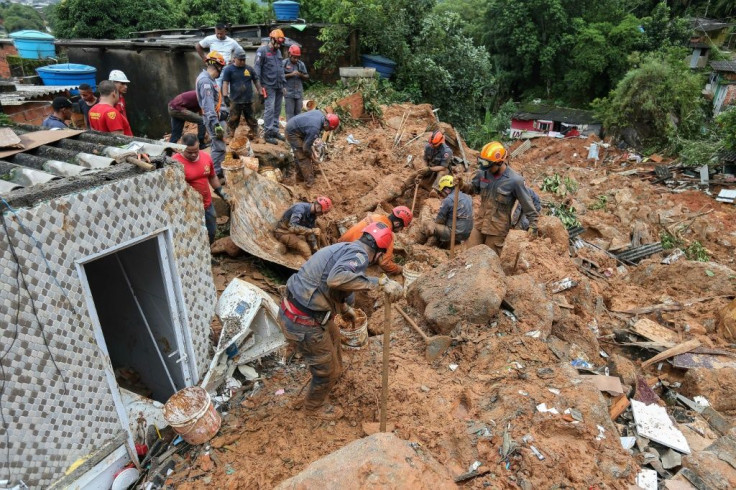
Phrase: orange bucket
(191, 414)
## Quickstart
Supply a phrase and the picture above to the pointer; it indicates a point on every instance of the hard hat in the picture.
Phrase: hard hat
(437, 138)
(445, 182)
(295, 50)
(333, 121)
(404, 214)
(215, 58)
(118, 76)
(277, 34)
(380, 234)
(325, 203)
(492, 152)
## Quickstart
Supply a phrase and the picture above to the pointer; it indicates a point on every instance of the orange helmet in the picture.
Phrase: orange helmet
(437, 138)
(295, 50)
(278, 35)
(215, 58)
(404, 214)
(381, 235)
(493, 152)
(333, 121)
(325, 203)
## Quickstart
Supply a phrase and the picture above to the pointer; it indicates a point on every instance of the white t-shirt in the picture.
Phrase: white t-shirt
(224, 47)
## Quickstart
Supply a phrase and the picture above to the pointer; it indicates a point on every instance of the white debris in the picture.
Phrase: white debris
(453, 367)
(647, 479)
(628, 442)
(653, 423)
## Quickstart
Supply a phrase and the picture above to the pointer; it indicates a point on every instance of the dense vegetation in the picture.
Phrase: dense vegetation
(17, 17)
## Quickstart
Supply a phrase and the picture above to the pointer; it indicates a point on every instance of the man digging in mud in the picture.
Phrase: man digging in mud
(302, 131)
(324, 286)
(500, 188)
(297, 228)
(441, 228)
(399, 219)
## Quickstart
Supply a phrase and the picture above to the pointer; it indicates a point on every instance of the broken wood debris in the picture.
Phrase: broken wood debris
(678, 349)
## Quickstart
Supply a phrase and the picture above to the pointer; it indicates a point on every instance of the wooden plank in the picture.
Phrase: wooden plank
(656, 332)
(619, 405)
(678, 349)
(609, 384)
(690, 360)
(38, 138)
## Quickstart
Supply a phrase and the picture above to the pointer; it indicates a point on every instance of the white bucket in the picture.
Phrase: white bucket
(191, 414)
(411, 271)
(353, 338)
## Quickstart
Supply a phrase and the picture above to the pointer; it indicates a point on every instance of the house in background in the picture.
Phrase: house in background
(709, 33)
(722, 85)
(547, 120)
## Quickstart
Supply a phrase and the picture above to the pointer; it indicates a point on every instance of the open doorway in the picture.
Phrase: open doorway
(133, 298)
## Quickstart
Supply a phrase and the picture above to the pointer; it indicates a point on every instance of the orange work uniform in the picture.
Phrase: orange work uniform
(356, 231)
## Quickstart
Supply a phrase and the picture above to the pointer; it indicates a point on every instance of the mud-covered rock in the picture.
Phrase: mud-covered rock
(468, 288)
(624, 369)
(714, 464)
(378, 461)
(574, 331)
(532, 306)
(717, 385)
(225, 245)
(551, 227)
(726, 327)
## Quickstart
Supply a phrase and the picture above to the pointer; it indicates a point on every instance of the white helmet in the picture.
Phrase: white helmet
(118, 76)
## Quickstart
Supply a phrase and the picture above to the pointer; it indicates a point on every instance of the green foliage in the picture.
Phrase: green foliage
(571, 185)
(696, 251)
(493, 127)
(376, 92)
(110, 19)
(696, 153)
(660, 99)
(600, 203)
(197, 13)
(669, 241)
(567, 214)
(557, 185)
(726, 125)
(18, 17)
(469, 11)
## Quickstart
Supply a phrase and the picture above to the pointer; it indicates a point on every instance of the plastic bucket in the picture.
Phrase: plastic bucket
(353, 338)
(411, 271)
(384, 66)
(191, 414)
(309, 105)
(68, 74)
(286, 10)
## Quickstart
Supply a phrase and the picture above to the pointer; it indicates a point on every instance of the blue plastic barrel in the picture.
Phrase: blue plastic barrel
(34, 44)
(384, 66)
(286, 10)
(67, 74)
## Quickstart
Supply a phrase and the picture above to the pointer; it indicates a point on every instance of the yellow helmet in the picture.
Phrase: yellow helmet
(215, 58)
(278, 34)
(445, 182)
(492, 152)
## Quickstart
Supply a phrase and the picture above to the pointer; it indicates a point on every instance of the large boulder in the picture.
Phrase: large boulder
(532, 306)
(552, 228)
(717, 385)
(468, 288)
(378, 461)
(727, 322)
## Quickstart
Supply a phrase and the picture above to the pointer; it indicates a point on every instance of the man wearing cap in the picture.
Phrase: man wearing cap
(295, 73)
(270, 72)
(121, 84)
(237, 88)
(62, 112)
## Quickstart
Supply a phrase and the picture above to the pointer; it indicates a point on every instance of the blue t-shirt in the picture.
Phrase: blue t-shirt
(241, 79)
(53, 122)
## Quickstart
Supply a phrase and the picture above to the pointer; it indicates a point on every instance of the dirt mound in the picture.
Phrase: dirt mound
(532, 306)
(718, 386)
(468, 288)
(686, 279)
(378, 461)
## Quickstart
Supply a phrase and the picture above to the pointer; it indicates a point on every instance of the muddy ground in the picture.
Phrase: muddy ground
(487, 387)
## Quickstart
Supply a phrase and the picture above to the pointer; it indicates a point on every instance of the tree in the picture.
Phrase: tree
(18, 17)
(197, 13)
(110, 19)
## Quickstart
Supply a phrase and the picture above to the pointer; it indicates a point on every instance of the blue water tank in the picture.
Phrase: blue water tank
(286, 10)
(384, 66)
(34, 44)
(68, 74)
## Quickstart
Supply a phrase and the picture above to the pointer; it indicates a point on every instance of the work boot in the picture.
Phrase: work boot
(271, 140)
(280, 136)
(326, 412)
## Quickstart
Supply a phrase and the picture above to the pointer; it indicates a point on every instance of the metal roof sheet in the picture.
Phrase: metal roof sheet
(27, 93)
(728, 66)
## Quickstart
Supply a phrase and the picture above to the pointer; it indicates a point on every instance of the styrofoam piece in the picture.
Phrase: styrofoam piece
(628, 442)
(647, 479)
(653, 423)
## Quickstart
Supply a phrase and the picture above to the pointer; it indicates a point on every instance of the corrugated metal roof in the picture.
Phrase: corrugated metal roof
(709, 25)
(533, 112)
(27, 93)
(727, 66)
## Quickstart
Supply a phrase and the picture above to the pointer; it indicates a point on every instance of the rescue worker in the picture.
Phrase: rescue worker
(209, 98)
(399, 219)
(185, 108)
(103, 116)
(269, 69)
(237, 88)
(325, 286)
(442, 226)
(437, 156)
(295, 72)
(519, 219)
(302, 131)
(121, 83)
(499, 188)
(297, 228)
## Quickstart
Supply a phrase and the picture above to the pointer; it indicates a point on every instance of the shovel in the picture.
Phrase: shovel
(436, 345)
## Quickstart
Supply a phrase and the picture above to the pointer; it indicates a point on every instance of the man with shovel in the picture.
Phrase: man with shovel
(325, 286)
(441, 228)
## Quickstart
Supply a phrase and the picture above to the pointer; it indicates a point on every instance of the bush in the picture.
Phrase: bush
(110, 19)
(494, 126)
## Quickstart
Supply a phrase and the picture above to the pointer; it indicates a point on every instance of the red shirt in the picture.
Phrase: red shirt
(120, 106)
(107, 119)
(198, 173)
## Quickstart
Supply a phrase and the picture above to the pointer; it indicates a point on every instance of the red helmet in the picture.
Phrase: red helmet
(404, 214)
(295, 50)
(325, 203)
(437, 138)
(381, 235)
(333, 121)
